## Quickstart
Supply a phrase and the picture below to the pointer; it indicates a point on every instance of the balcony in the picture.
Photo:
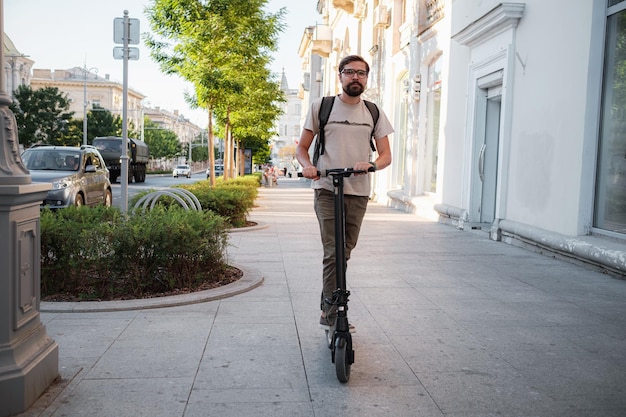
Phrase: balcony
(382, 17)
(322, 41)
(346, 5)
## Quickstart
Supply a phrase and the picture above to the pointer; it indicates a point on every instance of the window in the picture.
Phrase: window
(610, 198)
(401, 135)
(433, 108)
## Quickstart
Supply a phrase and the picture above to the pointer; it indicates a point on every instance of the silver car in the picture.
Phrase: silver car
(79, 176)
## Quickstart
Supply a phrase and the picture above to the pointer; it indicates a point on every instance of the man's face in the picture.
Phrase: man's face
(352, 84)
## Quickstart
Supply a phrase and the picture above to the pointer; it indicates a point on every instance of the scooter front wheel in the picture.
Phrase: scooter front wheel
(342, 359)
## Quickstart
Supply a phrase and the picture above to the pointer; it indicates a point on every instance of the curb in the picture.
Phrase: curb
(250, 280)
(259, 226)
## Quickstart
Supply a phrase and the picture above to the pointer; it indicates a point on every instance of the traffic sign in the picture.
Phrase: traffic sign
(118, 31)
(133, 53)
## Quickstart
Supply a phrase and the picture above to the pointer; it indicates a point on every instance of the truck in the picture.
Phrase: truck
(110, 148)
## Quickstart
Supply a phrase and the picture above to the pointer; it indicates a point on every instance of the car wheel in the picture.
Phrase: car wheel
(79, 201)
(108, 198)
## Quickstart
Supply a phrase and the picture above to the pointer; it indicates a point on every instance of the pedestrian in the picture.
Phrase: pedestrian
(266, 176)
(347, 144)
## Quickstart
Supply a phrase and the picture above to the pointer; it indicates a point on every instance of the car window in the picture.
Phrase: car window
(94, 160)
(43, 159)
(100, 162)
(108, 145)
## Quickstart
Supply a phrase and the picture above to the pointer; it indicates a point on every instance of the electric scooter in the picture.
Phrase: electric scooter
(338, 335)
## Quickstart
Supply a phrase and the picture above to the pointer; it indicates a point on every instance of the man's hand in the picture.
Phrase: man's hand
(310, 172)
(362, 166)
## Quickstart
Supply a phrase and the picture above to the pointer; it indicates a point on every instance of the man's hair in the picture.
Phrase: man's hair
(353, 58)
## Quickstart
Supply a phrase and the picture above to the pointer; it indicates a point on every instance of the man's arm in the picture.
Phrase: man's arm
(384, 153)
(302, 155)
(384, 156)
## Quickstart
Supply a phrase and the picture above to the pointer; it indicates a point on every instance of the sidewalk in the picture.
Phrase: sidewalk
(448, 324)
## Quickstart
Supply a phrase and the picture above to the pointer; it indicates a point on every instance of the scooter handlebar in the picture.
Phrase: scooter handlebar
(344, 172)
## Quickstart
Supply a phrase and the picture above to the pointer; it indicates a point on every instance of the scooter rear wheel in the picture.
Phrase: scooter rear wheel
(342, 359)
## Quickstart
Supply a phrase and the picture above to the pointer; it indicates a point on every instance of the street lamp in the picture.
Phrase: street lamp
(85, 72)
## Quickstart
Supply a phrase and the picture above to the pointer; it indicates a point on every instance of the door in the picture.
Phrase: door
(485, 156)
(488, 162)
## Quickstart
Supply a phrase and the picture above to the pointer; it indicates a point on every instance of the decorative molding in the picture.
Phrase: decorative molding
(503, 17)
(434, 11)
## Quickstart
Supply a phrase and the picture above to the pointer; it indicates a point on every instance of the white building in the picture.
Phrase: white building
(288, 127)
(508, 115)
(17, 67)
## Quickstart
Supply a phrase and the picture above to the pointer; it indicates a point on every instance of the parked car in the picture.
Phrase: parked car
(182, 170)
(79, 176)
(219, 170)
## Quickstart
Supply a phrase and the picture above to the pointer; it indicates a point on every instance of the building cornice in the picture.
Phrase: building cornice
(503, 17)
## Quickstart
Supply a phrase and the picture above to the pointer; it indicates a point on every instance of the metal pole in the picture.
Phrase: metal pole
(124, 156)
(85, 106)
(189, 143)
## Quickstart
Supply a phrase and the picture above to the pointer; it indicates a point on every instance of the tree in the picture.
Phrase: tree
(101, 122)
(253, 120)
(216, 45)
(200, 150)
(163, 143)
(42, 116)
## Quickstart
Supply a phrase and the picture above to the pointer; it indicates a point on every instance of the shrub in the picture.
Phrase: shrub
(100, 254)
(232, 199)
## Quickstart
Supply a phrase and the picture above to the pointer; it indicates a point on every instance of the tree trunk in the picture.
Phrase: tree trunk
(211, 144)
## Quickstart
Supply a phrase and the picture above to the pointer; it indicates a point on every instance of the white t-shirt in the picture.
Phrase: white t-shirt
(347, 141)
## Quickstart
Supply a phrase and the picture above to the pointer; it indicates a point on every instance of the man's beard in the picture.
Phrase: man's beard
(354, 89)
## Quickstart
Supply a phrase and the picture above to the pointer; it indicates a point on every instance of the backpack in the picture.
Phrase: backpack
(325, 108)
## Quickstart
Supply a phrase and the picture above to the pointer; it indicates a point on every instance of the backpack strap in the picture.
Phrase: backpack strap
(373, 108)
(325, 109)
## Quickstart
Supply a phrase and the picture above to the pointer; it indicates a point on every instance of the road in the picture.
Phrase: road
(153, 182)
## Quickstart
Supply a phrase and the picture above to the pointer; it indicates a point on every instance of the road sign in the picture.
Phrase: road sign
(133, 53)
(118, 31)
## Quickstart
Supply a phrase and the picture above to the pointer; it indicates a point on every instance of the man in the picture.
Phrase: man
(71, 162)
(347, 144)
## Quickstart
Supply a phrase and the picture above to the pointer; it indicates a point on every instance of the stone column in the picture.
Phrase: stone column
(29, 358)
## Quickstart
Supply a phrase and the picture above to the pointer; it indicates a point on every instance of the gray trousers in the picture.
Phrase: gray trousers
(354, 207)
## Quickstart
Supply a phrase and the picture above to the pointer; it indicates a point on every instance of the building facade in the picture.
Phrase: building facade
(186, 131)
(17, 67)
(288, 128)
(499, 128)
(86, 89)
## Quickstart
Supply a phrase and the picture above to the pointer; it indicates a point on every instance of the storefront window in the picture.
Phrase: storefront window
(610, 201)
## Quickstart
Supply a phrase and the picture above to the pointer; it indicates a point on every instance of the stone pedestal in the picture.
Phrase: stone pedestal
(29, 359)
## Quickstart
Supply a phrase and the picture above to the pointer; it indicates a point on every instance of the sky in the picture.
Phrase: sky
(63, 34)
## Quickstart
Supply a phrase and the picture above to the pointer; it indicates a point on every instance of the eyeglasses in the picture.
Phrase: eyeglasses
(350, 73)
